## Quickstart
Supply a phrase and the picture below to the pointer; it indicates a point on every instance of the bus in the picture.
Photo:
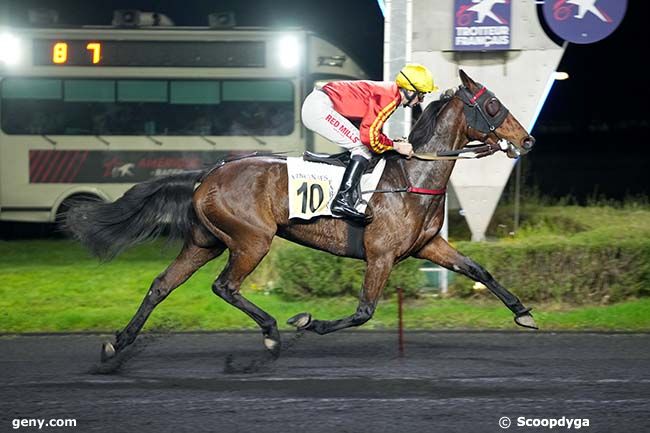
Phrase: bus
(88, 112)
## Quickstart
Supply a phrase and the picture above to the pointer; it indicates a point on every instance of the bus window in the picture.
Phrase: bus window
(27, 88)
(273, 91)
(196, 103)
(142, 91)
(29, 110)
(140, 107)
(195, 92)
(89, 91)
(147, 107)
(262, 107)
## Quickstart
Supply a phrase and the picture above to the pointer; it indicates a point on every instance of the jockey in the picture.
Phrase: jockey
(333, 110)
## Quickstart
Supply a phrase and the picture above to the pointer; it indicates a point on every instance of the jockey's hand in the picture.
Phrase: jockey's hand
(403, 147)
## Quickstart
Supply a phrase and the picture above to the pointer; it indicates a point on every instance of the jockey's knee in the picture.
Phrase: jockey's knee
(361, 151)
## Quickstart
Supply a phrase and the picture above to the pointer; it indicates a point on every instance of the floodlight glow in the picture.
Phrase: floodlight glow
(9, 49)
(289, 50)
(561, 76)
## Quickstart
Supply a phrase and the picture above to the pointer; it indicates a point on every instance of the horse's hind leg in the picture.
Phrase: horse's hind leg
(244, 258)
(440, 252)
(191, 258)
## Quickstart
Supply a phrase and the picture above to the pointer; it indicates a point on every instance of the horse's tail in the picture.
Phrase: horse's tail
(141, 214)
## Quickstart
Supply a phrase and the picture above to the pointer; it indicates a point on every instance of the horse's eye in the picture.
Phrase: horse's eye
(492, 106)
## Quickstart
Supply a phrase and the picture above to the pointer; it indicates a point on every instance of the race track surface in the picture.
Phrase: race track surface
(343, 382)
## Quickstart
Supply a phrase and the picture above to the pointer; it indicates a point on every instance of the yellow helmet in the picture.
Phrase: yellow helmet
(414, 76)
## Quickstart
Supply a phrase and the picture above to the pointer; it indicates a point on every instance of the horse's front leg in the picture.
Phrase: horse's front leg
(377, 272)
(440, 252)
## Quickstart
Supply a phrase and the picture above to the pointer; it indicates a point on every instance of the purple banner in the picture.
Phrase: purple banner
(584, 21)
(481, 25)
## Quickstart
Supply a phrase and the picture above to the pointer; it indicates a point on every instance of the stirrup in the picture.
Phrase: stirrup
(349, 213)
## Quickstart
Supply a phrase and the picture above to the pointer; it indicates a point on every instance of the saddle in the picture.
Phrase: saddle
(338, 159)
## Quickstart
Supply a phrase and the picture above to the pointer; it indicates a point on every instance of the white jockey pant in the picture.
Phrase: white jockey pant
(319, 116)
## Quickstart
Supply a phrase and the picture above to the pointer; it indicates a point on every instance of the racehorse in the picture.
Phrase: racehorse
(241, 204)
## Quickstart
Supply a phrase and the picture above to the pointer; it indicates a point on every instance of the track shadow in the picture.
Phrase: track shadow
(116, 364)
(260, 363)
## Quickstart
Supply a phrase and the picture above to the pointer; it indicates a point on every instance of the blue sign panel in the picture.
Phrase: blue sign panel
(481, 25)
(584, 21)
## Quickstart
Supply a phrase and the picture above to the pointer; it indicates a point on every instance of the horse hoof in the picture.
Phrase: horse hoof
(300, 321)
(272, 346)
(526, 321)
(108, 351)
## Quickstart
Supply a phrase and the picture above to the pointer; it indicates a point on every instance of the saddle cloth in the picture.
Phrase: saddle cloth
(313, 186)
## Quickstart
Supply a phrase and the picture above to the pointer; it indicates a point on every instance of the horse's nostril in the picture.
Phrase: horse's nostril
(529, 142)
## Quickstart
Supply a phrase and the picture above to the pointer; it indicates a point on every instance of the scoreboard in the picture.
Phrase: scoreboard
(77, 52)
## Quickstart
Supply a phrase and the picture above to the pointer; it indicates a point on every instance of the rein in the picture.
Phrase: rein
(472, 152)
(410, 188)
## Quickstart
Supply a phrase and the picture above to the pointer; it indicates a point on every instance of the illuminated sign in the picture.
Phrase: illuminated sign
(584, 21)
(481, 25)
(60, 52)
(77, 52)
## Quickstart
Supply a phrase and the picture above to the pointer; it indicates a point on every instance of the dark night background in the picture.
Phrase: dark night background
(592, 134)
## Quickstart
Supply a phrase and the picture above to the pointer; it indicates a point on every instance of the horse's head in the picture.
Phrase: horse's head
(490, 122)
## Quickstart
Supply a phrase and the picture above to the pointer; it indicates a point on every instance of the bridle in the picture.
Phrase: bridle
(481, 120)
(473, 107)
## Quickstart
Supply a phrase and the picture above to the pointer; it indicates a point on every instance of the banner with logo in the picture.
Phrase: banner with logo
(481, 25)
(584, 21)
(116, 166)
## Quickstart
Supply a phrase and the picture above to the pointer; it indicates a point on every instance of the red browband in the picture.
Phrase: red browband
(478, 95)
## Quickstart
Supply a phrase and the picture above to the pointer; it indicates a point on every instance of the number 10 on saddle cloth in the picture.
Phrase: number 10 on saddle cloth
(313, 186)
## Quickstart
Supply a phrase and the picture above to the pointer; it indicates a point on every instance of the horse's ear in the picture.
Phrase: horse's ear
(467, 81)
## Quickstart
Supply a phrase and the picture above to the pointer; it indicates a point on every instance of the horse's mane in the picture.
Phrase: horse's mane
(425, 126)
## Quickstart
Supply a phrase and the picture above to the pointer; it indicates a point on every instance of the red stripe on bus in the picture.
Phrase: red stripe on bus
(65, 160)
(36, 158)
(38, 165)
(56, 155)
(65, 178)
(32, 157)
(84, 155)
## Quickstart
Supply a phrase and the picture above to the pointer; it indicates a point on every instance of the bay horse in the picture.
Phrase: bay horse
(240, 205)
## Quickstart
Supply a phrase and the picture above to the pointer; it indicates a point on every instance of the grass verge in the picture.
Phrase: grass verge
(53, 286)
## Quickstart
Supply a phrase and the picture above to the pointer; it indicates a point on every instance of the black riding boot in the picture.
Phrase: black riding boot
(349, 194)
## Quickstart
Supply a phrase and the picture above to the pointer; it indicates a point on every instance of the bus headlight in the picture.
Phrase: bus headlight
(289, 51)
(10, 50)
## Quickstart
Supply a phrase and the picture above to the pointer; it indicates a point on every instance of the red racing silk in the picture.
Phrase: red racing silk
(371, 103)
